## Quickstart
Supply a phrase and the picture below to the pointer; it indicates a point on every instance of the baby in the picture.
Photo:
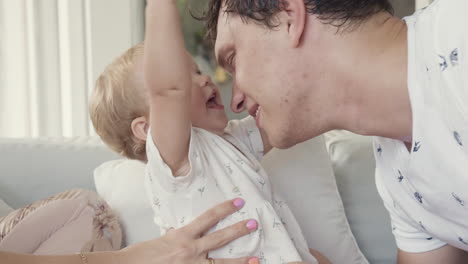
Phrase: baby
(155, 96)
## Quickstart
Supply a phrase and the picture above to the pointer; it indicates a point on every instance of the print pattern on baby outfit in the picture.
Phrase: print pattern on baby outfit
(224, 168)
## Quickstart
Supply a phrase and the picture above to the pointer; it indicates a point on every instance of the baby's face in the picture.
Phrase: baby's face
(207, 106)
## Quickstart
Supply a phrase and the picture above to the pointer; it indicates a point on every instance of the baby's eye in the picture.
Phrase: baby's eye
(199, 72)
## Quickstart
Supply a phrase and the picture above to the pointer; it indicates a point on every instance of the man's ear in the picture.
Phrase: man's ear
(296, 19)
(140, 128)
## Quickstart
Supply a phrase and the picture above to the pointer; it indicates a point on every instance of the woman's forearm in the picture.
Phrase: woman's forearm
(186, 245)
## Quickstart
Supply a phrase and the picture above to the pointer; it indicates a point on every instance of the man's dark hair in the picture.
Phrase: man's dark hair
(340, 13)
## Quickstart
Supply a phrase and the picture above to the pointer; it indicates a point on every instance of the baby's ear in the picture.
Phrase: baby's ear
(140, 128)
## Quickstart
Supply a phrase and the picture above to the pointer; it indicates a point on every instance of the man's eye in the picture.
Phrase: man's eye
(199, 72)
(231, 60)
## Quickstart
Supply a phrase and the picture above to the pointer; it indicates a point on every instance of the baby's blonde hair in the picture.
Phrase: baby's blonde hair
(116, 101)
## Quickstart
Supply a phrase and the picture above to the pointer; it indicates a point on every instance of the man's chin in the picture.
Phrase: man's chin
(282, 141)
(287, 138)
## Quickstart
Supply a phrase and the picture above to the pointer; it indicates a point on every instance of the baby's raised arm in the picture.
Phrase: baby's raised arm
(167, 69)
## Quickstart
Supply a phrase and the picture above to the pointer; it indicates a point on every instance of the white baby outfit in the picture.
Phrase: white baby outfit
(224, 168)
(426, 189)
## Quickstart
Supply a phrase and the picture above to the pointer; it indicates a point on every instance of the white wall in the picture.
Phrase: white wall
(422, 3)
(12, 78)
(115, 26)
(51, 52)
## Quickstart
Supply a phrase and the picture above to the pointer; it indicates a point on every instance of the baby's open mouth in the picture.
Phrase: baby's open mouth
(213, 101)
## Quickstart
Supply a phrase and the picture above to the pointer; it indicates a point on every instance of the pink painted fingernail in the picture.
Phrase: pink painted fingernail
(253, 261)
(252, 224)
(239, 202)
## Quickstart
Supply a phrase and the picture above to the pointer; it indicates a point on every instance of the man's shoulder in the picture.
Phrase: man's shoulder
(443, 18)
(441, 54)
(448, 18)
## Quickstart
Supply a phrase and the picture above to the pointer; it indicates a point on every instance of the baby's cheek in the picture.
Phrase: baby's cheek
(198, 114)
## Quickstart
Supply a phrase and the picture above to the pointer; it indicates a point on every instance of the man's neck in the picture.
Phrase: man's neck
(374, 98)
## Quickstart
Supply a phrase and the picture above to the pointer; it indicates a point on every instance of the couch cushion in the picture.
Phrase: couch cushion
(354, 165)
(32, 169)
(120, 183)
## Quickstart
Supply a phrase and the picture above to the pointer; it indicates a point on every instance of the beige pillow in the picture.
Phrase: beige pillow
(354, 165)
(69, 222)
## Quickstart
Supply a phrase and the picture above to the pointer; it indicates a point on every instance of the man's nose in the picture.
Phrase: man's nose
(238, 100)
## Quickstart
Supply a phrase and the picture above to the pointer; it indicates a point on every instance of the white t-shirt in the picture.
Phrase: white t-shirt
(223, 168)
(426, 190)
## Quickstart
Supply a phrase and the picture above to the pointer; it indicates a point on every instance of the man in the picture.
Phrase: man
(304, 67)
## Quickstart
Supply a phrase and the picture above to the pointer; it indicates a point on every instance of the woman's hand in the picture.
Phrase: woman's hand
(189, 245)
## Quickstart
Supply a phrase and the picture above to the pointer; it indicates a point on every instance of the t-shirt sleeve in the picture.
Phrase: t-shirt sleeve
(247, 132)
(409, 235)
(155, 201)
(161, 185)
(451, 44)
(160, 173)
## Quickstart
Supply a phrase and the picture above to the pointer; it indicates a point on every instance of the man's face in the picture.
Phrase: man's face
(267, 77)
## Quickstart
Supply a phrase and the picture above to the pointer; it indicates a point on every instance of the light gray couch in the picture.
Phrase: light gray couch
(31, 169)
